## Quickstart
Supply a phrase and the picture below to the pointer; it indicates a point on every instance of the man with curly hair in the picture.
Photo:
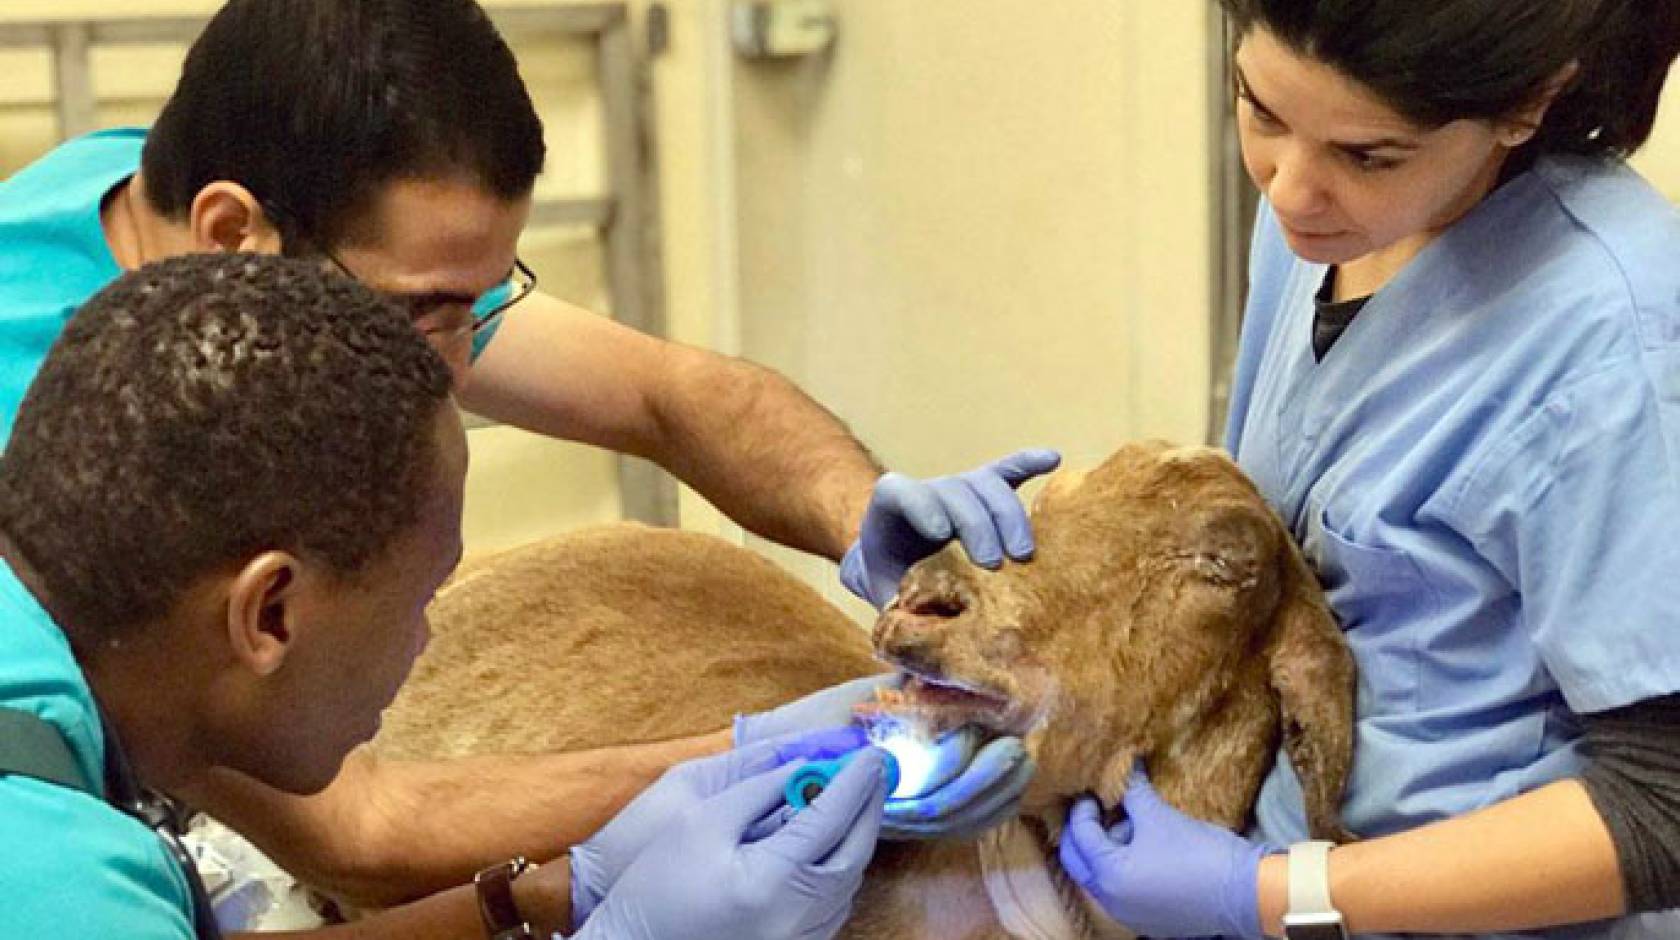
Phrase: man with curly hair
(231, 493)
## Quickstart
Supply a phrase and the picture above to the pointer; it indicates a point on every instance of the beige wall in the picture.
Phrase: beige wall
(1660, 160)
(984, 225)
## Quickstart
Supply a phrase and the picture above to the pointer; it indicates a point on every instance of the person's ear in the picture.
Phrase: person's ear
(262, 621)
(1520, 128)
(225, 216)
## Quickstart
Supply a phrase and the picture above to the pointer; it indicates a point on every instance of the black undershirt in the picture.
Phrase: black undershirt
(1331, 317)
(1632, 771)
(1632, 774)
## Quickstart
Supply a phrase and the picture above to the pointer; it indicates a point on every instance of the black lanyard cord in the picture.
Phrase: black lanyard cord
(163, 817)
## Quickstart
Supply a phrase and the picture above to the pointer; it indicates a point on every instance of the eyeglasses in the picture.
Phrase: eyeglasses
(424, 309)
(428, 309)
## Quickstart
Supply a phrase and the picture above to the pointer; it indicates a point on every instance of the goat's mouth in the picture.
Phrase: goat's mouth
(930, 706)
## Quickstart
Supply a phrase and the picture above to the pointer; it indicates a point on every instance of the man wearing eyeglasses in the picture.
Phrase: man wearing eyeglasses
(395, 141)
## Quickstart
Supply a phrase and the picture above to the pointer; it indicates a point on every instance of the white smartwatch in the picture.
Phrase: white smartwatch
(1311, 916)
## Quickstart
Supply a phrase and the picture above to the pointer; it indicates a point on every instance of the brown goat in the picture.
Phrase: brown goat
(1166, 616)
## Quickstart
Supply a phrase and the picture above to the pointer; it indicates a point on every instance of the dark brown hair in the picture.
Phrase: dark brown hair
(1437, 61)
(314, 105)
(207, 408)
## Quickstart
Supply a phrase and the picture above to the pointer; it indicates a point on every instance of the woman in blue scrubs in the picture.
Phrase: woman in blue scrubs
(1460, 386)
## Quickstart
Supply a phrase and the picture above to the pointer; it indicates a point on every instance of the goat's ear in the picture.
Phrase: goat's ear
(1312, 672)
(1231, 544)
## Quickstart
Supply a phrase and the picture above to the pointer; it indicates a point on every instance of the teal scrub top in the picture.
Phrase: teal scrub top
(54, 256)
(53, 253)
(72, 865)
(1485, 472)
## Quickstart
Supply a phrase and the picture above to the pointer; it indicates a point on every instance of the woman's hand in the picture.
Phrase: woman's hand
(1162, 873)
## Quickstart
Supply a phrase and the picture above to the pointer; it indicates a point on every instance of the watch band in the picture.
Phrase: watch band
(1309, 878)
(1311, 916)
(496, 907)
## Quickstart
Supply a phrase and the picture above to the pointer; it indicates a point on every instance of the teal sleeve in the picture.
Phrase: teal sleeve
(75, 867)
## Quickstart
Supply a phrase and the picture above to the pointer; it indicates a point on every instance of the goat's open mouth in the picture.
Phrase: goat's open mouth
(931, 706)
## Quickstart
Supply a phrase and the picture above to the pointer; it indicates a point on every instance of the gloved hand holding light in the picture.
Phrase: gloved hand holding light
(915, 766)
(951, 786)
(809, 781)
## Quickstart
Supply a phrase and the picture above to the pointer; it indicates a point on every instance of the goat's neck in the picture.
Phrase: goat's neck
(1031, 896)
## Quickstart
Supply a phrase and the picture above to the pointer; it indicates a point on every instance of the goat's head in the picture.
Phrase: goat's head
(1159, 576)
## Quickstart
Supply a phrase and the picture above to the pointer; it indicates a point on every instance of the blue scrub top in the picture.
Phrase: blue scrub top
(72, 865)
(1485, 471)
(55, 256)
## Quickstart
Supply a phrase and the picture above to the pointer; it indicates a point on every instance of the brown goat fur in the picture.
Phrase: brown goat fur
(623, 634)
(1166, 615)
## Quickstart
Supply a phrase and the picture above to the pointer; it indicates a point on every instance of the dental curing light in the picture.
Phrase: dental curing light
(914, 765)
(809, 781)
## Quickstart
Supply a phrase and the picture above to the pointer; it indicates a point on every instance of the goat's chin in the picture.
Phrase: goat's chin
(1088, 758)
(1052, 787)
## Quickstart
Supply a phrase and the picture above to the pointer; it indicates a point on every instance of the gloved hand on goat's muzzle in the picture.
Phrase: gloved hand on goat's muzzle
(986, 792)
(1162, 873)
(909, 519)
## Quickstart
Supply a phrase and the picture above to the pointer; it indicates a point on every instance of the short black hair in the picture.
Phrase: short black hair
(314, 105)
(207, 408)
(1437, 61)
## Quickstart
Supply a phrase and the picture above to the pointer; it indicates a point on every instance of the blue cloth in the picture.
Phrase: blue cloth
(73, 866)
(54, 253)
(55, 256)
(1485, 471)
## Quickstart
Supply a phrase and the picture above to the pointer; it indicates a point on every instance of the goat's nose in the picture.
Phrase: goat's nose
(902, 638)
(911, 630)
(936, 593)
(934, 606)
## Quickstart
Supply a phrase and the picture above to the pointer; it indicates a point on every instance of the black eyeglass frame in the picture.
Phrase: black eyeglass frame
(286, 222)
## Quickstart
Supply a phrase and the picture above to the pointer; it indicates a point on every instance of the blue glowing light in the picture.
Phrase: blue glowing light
(923, 765)
(916, 761)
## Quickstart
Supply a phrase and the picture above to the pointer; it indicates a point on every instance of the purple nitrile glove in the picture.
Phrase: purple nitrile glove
(1162, 873)
(986, 792)
(909, 519)
(598, 862)
(825, 708)
(982, 795)
(705, 878)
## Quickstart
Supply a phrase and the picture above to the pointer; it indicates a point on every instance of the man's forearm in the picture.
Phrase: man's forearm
(389, 831)
(542, 895)
(1538, 860)
(762, 451)
(744, 437)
